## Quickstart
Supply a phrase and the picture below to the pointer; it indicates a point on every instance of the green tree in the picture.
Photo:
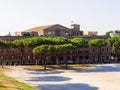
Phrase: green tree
(44, 50)
(97, 43)
(108, 33)
(112, 40)
(60, 40)
(3, 45)
(116, 50)
(80, 42)
(19, 44)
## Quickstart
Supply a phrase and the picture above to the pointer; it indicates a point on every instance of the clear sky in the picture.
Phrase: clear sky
(92, 15)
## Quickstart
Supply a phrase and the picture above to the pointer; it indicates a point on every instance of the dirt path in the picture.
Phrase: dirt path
(101, 77)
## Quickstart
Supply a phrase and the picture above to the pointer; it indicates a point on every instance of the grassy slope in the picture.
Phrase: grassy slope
(7, 83)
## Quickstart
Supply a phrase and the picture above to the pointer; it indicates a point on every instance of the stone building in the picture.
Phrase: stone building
(53, 30)
(83, 55)
(90, 33)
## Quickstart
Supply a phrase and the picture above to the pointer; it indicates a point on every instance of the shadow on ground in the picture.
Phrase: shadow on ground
(49, 79)
(45, 72)
(78, 86)
(101, 68)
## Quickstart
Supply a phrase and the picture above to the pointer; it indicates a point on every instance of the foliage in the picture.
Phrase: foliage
(112, 40)
(5, 44)
(116, 47)
(53, 48)
(60, 40)
(18, 43)
(12, 82)
(79, 42)
(108, 33)
(97, 42)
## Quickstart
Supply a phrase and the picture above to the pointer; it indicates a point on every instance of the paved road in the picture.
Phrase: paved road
(100, 77)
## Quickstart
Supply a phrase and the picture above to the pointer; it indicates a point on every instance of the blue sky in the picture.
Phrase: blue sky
(92, 15)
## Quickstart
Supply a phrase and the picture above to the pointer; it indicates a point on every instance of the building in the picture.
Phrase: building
(53, 30)
(83, 55)
(27, 34)
(90, 33)
(115, 33)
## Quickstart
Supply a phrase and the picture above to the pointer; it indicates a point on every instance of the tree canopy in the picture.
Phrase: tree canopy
(53, 48)
(80, 42)
(97, 42)
(108, 33)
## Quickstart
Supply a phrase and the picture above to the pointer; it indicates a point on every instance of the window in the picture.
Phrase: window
(12, 57)
(1, 57)
(86, 57)
(80, 57)
(102, 49)
(93, 49)
(17, 51)
(86, 51)
(1, 51)
(80, 51)
(57, 32)
(93, 58)
(66, 34)
(67, 52)
(49, 33)
(73, 52)
(7, 51)
(28, 57)
(12, 52)
(107, 49)
(107, 57)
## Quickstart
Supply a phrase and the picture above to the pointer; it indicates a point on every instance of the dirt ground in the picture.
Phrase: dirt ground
(5, 83)
(100, 77)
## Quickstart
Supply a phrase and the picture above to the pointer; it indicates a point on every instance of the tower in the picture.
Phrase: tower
(75, 27)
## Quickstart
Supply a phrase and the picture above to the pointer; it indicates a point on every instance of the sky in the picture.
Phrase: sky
(92, 15)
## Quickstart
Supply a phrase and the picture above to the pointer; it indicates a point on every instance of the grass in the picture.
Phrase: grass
(8, 83)
(52, 67)
(3, 87)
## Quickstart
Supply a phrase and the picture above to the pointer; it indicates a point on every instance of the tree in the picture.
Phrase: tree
(97, 43)
(44, 50)
(4, 44)
(19, 44)
(108, 33)
(115, 41)
(60, 40)
(80, 42)
(112, 40)
(116, 50)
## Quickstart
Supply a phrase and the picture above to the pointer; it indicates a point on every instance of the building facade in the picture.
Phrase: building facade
(53, 30)
(83, 55)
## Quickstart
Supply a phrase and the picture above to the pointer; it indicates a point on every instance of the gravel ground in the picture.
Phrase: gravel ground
(100, 77)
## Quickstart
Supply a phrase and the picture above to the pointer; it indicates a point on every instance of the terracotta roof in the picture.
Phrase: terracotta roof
(39, 28)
